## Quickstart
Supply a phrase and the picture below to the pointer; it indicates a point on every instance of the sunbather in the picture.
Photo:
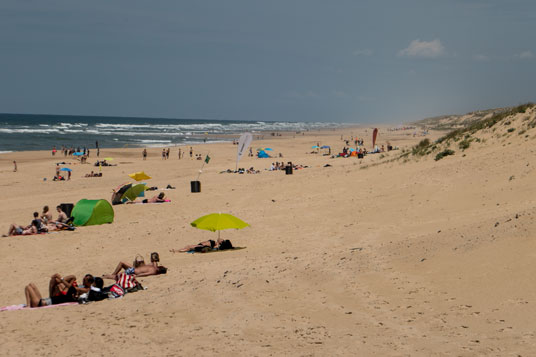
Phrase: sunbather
(140, 271)
(155, 199)
(65, 289)
(205, 246)
(16, 230)
(36, 226)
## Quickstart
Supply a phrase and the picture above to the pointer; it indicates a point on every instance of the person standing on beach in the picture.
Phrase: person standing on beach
(167, 153)
(144, 154)
(191, 151)
(179, 153)
(68, 175)
(57, 170)
(14, 166)
(53, 150)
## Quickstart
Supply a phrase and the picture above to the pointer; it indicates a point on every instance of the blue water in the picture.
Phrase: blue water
(20, 132)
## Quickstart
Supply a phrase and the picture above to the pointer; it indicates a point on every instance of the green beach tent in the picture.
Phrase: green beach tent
(92, 212)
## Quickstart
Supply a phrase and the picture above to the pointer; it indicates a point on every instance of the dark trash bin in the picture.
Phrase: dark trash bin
(288, 170)
(195, 186)
(360, 155)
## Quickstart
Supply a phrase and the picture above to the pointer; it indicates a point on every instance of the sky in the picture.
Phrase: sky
(293, 60)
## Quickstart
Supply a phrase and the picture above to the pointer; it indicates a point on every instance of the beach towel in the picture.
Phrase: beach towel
(144, 203)
(214, 250)
(128, 283)
(23, 306)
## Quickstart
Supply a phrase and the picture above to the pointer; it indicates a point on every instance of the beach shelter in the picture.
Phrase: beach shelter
(262, 154)
(134, 191)
(92, 212)
(118, 193)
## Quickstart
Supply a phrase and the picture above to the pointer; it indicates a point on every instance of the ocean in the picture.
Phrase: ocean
(21, 132)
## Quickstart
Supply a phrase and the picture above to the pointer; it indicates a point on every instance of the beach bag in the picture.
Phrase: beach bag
(128, 283)
(226, 244)
(115, 291)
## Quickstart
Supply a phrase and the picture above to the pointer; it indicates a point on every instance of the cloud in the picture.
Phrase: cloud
(418, 48)
(364, 52)
(340, 94)
(364, 98)
(302, 95)
(525, 55)
(481, 58)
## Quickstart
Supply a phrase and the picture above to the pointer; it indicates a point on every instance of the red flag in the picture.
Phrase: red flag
(374, 135)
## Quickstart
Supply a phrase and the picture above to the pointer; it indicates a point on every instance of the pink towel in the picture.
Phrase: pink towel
(23, 306)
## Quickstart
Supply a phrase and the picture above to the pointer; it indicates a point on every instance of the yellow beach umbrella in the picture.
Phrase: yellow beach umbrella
(218, 221)
(139, 176)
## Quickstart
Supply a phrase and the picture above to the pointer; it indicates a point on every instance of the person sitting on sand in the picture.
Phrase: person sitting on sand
(205, 246)
(140, 271)
(46, 216)
(65, 288)
(62, 216)
(39, 225)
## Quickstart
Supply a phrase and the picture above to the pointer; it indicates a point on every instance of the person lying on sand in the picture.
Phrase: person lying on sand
(16, 230)
(205, 246)
(155, 199)
(36, 226)
(61, 290)
(140, 271)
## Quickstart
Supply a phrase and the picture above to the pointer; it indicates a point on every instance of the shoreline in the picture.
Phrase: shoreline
(258, 136)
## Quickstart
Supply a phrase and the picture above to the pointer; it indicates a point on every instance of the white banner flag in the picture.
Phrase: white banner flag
(243, 144)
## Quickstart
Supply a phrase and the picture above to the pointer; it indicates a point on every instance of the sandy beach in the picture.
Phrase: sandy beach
(373, 256)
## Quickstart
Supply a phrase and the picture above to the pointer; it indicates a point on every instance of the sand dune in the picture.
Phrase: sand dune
(389, 255)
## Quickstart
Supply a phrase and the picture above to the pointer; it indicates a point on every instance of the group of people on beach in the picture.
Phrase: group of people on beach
(71, 150)
(41, 224)
(65, 289)
(166, 152)
(94, 174)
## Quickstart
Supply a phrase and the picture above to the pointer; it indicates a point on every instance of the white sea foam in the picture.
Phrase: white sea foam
(5, 152)
(25, 131)
(155, 141)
